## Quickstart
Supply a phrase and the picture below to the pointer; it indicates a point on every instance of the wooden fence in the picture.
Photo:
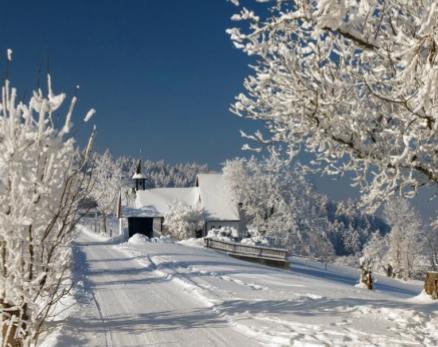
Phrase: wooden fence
(274, 255)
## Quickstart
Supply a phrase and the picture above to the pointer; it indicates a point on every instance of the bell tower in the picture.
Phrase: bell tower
(139, 178)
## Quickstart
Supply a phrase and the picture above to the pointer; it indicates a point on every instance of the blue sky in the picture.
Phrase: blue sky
(161, 74)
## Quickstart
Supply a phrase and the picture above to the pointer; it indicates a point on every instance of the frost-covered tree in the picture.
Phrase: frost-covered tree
(432, 244)
(405, 238)
(351, 227)
(161, 174)
(375, 254)
(353, 82)
(397, 253)
(351, 240)
(279, 203)
(43, 176)
(107, 182)
(182, 221)
(258, 187)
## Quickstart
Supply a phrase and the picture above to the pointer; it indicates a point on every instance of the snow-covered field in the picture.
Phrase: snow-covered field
(170, 294)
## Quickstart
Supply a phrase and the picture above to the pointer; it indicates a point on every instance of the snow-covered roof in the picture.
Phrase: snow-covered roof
(212, 195)
(138, 176)
(157, 202)
(216, 197)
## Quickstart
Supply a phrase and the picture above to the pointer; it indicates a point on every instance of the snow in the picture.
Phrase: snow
(138, 176)
(211, 196)
(9, 54)
(160, 200)
(215, 197)
(422, 298)
(167, 293)
(63, 309)
(192, 242)
(89, 115)
(227, 234)
(138, 239)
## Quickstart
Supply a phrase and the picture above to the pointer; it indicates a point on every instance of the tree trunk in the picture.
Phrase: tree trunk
(11, 319)
(431, 284)
(389, 270)
(104, 222)
(367, 278)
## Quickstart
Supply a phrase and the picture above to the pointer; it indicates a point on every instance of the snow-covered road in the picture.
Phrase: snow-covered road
(166, 294)
(125, 304)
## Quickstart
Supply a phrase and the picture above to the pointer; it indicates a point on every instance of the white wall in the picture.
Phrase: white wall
(157, 227)
(123, 227)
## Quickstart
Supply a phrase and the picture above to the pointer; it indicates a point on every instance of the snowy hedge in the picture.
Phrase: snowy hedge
(182, 221)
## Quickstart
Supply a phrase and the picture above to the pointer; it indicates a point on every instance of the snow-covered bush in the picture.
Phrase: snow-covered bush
(43, 176)
(227, 234)
(182, 221)
(256, 239)
(354, 83)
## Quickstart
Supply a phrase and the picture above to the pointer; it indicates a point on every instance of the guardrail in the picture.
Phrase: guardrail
(247, 251)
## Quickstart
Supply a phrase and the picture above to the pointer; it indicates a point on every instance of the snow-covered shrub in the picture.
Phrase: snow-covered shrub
(228, 234)
(43, 176)
(182, 221)
(255, 238)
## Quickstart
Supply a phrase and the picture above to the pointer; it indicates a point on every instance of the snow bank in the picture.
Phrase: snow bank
(85, 227)
(192, 242)
(162, 239)
(62, 310)
(138, 239)
(423, 298)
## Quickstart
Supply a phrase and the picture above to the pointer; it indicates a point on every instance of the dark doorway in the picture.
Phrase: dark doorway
(141, 225)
